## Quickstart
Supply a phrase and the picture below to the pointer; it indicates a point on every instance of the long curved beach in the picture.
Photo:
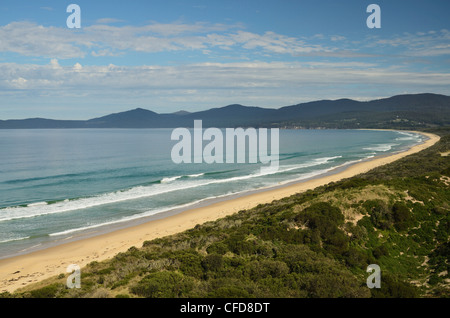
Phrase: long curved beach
(19, 271)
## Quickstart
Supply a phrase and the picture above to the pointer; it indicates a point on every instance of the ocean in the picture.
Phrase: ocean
(62, 184)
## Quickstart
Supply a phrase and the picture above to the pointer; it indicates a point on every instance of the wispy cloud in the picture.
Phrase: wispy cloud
(108, 20)
(425, 44)
(198, 76)
(30, 39)
(104, 39)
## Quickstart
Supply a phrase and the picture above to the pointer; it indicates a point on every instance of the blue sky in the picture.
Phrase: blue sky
(193, 55)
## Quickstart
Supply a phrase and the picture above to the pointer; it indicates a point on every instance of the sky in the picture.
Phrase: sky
(193, 55)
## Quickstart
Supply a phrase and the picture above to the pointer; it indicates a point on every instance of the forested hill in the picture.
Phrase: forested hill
(402, 111)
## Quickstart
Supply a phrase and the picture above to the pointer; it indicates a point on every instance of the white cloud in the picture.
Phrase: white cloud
(103, 39)
(55, 64)
(108, 20)
(105, 52)
(425, 44)
(336, 38)
(238, 76)
(77, 67)
(30, 39)
(19, 83)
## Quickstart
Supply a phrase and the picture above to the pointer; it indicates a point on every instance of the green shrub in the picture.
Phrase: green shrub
(380, 214)
(353, 183)
(163, 285)
(229, 288)
(440, 258)
(257, 270)
(367, 224)
(434, 279)
(355, 257)
(49, 291)
(336, 242)
(380, 251)
(212, 262)
(443, 229)
(322, 216)
(190, 262)
(238, 244)
(392, 287)
(358, 232)
(229, 292)
(446, 172)
(217, 248)
(401, 215)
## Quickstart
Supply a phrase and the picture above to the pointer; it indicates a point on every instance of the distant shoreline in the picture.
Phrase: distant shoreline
(19, 271)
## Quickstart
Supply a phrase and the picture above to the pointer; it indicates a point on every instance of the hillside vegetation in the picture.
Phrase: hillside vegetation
(417, 111)
(314, 244)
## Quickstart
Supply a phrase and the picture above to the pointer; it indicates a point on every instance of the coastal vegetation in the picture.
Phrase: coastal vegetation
(312, 244)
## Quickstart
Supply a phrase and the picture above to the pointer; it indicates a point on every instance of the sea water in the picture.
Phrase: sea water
(59, 184)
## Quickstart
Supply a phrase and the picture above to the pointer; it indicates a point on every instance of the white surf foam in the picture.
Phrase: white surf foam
(170, 185)
(381, 147)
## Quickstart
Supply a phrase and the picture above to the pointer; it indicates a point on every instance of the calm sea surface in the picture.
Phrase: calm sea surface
(57, 184)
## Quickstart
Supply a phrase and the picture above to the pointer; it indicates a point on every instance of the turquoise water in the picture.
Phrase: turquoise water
(57, 184)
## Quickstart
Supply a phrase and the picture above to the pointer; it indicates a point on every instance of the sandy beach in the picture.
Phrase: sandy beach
(19, 271)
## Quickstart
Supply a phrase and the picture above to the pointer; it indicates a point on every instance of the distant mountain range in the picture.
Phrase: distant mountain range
(401, 111)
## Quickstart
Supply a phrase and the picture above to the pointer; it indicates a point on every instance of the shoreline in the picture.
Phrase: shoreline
(19, 271)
